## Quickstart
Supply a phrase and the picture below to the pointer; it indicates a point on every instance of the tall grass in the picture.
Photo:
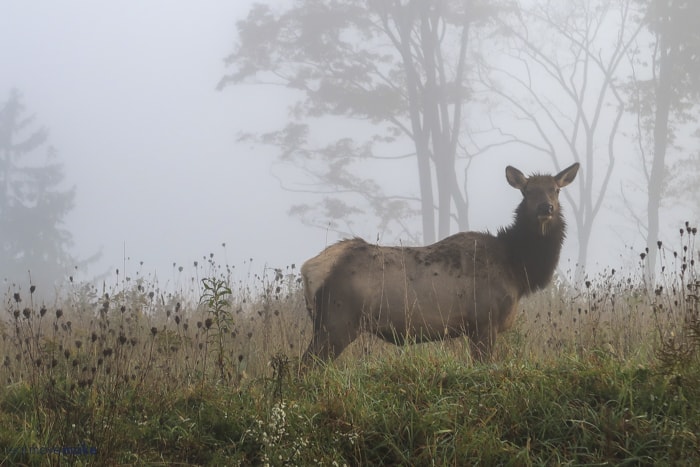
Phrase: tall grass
(603, 371)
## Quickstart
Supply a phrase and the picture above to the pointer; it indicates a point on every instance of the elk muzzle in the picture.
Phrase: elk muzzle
(545, 210)
(544, 215)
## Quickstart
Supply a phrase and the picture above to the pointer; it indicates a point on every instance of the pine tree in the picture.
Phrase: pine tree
(34, 242)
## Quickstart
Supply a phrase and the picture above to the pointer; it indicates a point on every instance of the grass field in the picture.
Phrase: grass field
(603, 372)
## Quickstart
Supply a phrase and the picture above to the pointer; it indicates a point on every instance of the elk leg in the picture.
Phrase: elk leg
(330, 338)
(317, 350)
(481, 345)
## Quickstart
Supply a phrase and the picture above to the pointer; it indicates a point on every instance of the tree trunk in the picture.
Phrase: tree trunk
(431, 113)
(461, 202)
(426, 193)
(658, 164)
(421, 135)
(586, 212)
(584, 240)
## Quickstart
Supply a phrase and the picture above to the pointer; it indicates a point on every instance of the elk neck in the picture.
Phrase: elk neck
(533, 256)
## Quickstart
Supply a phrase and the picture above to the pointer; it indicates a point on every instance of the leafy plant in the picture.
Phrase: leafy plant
(217, 298)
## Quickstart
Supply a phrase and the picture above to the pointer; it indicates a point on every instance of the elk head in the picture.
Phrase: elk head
(541, 195)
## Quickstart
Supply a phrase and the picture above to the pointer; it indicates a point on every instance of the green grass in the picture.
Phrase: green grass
(420, 408)
(607, 372)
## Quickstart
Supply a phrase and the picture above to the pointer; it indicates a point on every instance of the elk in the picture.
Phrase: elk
(469, 284)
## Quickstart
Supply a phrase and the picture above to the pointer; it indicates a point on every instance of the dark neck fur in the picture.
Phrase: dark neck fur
(533, 257)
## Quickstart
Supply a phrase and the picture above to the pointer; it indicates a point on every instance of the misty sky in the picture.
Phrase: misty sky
(128, 93)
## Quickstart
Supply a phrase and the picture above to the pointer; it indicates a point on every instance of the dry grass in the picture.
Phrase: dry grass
(137, 331)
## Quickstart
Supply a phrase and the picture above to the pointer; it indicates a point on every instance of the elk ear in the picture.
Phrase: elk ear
(567, 175)
(515, 178)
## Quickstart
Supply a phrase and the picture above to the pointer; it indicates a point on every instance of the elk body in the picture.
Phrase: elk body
(469, 283)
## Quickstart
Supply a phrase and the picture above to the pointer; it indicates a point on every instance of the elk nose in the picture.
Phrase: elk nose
(545, 209)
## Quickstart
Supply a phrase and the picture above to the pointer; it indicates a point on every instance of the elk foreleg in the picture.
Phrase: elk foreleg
(481, 344)
(331, 334)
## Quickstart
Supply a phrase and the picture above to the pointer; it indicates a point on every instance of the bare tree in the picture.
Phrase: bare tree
(400, 69)
(560, 81)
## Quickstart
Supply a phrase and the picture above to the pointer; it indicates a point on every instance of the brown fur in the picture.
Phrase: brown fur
(469, 283)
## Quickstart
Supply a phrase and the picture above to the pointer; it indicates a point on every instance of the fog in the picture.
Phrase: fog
(128, 93)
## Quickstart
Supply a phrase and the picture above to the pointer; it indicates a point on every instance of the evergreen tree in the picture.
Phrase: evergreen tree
(33, 203)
